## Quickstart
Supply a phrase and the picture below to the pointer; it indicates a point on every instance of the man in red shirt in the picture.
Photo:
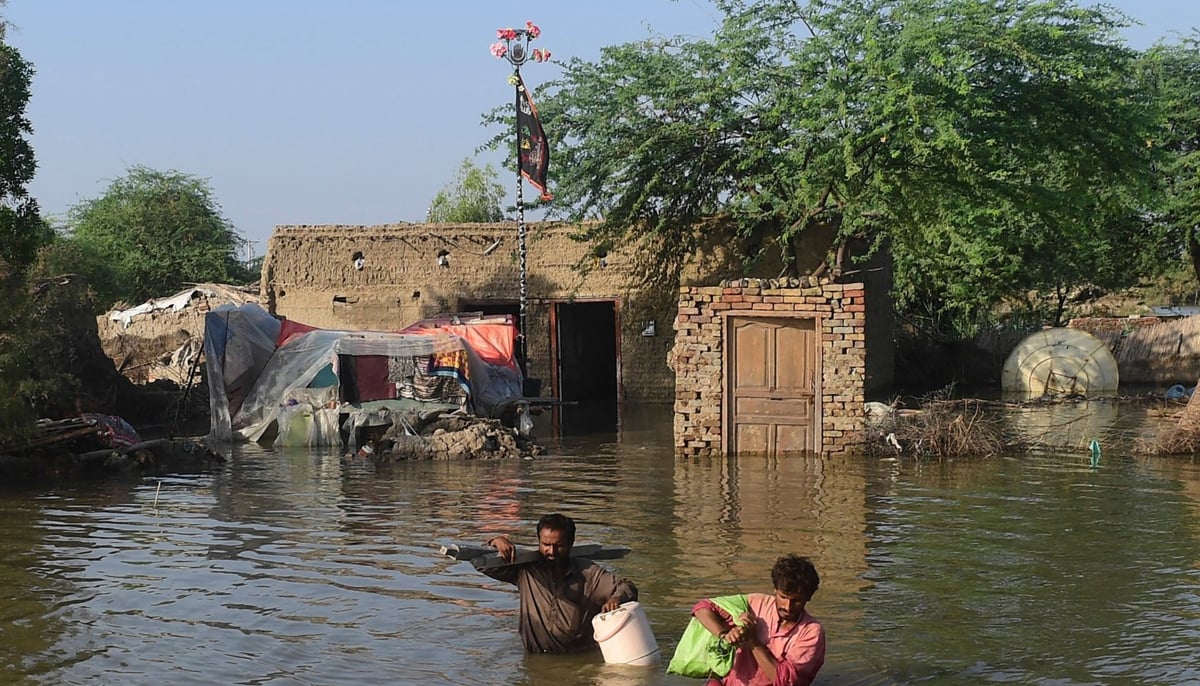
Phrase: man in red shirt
(778, 641)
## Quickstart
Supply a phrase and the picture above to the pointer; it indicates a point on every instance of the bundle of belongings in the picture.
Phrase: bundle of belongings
(700, 652)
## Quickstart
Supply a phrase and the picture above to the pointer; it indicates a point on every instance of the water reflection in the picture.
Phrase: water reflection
(295, 567)
(1073, 425)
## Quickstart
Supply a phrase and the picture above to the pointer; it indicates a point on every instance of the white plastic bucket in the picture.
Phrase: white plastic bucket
(625, 637)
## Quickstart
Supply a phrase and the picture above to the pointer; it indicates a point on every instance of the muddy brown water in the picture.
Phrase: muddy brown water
(291, 567)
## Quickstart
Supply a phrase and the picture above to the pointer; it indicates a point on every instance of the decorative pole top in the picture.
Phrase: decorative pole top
(513, 45)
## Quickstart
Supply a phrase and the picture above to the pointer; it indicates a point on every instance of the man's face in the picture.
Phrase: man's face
(789, 605)
(554, 546)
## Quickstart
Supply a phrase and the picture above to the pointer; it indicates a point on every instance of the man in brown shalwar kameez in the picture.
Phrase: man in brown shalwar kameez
(559, 594)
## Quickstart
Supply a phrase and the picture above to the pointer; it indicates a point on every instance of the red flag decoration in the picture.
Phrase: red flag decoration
(533, 150)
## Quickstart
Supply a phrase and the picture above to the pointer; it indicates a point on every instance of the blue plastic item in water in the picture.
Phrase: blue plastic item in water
(1177, 392)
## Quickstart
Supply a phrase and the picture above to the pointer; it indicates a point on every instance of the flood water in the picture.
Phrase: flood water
(294, 568)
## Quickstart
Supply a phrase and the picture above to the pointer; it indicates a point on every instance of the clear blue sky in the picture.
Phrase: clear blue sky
(315, 111)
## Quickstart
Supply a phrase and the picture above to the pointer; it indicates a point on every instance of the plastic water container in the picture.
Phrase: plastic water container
(625, 637)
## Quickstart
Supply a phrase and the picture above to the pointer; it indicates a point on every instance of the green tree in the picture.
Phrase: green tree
(151, 232)
(993, 147)
(20, 225)
(21, 231)
(1173, 72)
(473, 197)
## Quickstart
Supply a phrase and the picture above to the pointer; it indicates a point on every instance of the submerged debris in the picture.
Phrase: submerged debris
(94, 445)
(1179, 441)
(941, 429)
(1183, 437)
(446, 436)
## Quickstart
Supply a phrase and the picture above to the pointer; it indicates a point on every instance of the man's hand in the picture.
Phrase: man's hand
(612, 604)
(735, 635)
(744, 630)
(504, 548)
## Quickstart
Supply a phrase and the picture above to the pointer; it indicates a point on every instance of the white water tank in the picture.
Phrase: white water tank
(1060, 361)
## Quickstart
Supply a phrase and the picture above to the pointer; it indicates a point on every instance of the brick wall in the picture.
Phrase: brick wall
(698, 357)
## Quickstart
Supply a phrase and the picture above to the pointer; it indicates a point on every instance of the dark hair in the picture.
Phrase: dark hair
(558, 522)
(794, 574)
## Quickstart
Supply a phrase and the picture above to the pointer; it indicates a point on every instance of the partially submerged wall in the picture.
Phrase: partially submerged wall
(386, 277)
(409, 272)
(159, 340)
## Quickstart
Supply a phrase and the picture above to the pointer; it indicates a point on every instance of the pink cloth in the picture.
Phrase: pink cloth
(799, 652)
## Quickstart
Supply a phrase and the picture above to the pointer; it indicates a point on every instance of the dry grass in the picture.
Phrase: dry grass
(943, 429)
(1179, 441)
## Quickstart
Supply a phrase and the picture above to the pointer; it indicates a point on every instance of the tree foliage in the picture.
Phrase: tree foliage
(994, 147)
(21, 231)
(1173, 76)
(20, 225)
(150, 233)
(473, 196)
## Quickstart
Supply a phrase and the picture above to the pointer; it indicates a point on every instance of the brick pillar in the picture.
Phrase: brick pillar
(697, 357)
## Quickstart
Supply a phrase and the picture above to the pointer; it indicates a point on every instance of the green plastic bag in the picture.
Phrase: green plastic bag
(700, 653)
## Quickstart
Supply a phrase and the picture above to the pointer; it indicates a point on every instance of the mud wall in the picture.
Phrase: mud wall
(162, 344)
(387, 276)
(407, 272)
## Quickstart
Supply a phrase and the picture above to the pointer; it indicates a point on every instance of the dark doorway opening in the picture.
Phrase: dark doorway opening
(587, 366)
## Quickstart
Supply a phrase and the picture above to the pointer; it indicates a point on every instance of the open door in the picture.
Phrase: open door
(587, 366)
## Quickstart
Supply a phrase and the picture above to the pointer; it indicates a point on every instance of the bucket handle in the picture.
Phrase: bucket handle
(612, 622)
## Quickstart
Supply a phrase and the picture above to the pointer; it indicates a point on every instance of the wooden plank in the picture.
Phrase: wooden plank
(485, 557)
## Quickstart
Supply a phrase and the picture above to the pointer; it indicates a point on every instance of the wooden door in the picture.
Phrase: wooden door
(771, 386)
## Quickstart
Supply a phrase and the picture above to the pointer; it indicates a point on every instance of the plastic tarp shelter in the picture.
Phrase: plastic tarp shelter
(264, 374)
(493, 338)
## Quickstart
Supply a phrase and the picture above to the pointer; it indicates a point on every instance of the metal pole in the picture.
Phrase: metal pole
(523, 291)
(515, 49)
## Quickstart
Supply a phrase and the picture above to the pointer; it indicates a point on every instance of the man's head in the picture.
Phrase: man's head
(556, 535)
(796, 580)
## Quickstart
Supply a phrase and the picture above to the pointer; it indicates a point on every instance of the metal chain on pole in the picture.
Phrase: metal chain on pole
(523, 288)
(515, 48)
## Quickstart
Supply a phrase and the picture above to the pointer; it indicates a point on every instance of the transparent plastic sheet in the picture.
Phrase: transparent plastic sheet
(296, 362)
(238, 342)
(309, 417)
(357, 419)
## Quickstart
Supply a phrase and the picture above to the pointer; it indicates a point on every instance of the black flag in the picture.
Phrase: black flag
(533, 151)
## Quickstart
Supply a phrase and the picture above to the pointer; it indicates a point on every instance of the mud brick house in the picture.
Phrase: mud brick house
(594, 337)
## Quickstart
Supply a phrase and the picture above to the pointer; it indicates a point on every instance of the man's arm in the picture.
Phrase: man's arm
(767, 665)
(507, 551)
(718, 623)
(607, 590)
